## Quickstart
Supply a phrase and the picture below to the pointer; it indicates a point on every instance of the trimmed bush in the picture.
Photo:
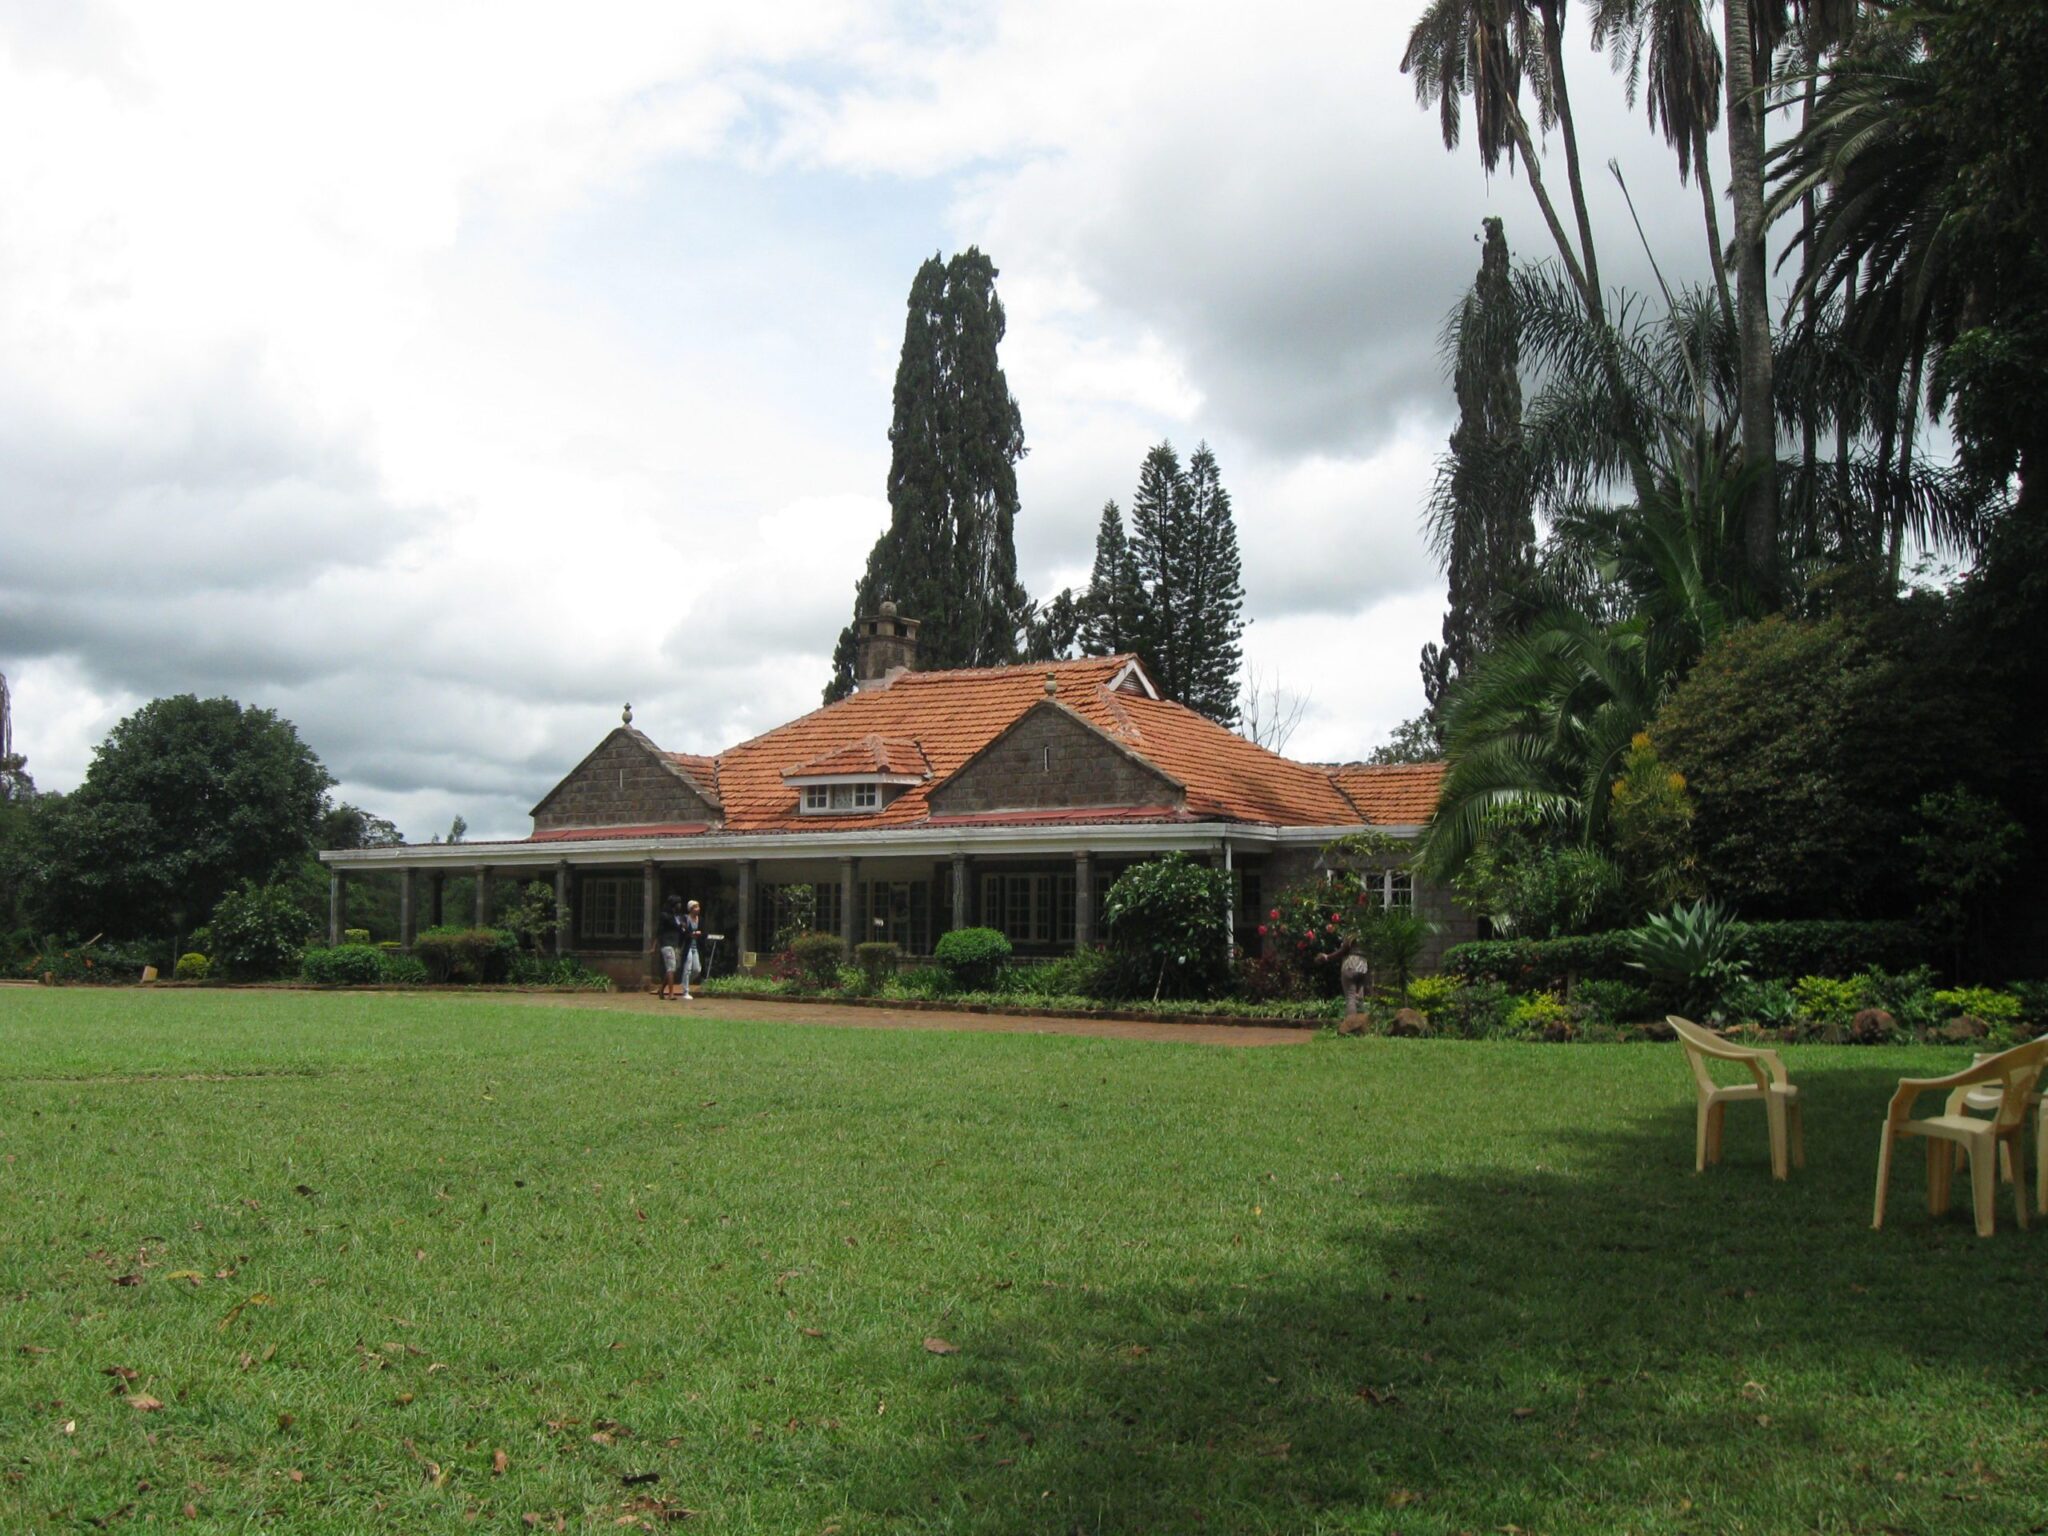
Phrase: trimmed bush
(973, 957)
(355, 936)
(877, 962)
(815, 960)
(465, 954)
(259, 931)
(345, 965)
(192, 967)
(529, 970)
(1769, 950)
(401, 969)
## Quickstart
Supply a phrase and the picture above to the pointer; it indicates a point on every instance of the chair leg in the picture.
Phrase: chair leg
(1774, 1116)
(1940, 1172)
(2018, 1153)
(1798, 1119)
(1717, 1122)
(1699, 1139)
(1984, 1187)
(2041, 1160)
(1884, 1175)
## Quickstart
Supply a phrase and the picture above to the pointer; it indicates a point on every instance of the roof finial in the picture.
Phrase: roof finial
(627, 715)
(1052, 686)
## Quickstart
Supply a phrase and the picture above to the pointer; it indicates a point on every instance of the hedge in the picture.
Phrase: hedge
(1784, 949)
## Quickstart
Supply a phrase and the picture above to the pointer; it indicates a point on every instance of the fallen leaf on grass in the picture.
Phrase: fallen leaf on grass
(603, 1437)
(192, 1275)
(71, 1426)
(1401, 1498)
(142, 1402)
(255, 1299)
(37, 1349)
(305, 1189)
(191, 1511)
(120, 1373)
(296, 1475)
(404, 1399)
(130, 1280)
(814, 1333)
(937, 1346)
(500, 1463)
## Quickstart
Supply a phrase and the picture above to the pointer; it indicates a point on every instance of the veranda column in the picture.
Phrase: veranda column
(337, 905)
(847, 933)
(650, 888)
(437, 885)
(483, 895)
(408, 910)
(959, 891)
(561, 908)
(744, 938)
(1084, 902)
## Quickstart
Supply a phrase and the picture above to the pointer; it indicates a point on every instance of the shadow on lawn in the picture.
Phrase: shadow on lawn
(1585, 1348)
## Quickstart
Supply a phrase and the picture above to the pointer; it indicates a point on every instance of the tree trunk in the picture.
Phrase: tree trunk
(1752, 302)
(1588, 295)
(1716, 251)
(1553, 42)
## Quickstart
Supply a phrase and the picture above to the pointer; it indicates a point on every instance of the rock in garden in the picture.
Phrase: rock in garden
(1872, 1026)
(1963, 1027)
(1353, 1024)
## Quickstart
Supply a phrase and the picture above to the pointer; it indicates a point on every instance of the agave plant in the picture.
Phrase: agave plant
(1689, 947)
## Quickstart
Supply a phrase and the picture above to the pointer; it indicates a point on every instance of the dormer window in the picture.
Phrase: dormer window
(842, 799)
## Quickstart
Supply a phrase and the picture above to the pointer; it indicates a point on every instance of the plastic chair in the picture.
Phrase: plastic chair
(2014, 1073)
(1771, 1088)
(1985, 1101)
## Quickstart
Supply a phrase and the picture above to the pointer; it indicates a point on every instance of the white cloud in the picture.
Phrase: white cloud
(445, 376)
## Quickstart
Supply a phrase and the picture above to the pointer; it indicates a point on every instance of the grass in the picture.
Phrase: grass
(664, 1263)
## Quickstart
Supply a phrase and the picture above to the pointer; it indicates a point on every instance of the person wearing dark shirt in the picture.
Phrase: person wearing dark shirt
(693, 930)
(669, 939)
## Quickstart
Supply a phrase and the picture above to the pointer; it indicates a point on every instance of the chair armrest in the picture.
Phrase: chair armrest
(1910, 1088)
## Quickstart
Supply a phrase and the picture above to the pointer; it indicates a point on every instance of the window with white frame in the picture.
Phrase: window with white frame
(1030, 907)
(840, 798)
(1389, 889)
(608, 908)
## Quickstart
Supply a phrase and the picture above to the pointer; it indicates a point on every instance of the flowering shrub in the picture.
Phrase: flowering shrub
(1309, 926)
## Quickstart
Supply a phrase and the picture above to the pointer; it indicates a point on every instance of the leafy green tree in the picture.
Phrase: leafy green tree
(1173, 914)
(949, 555)
(186, 799)
(1964, 850)
(1479, 518)
(1416, 740)
(1805, 745)
(1114, 599)
(1190, 616)
(258, 931)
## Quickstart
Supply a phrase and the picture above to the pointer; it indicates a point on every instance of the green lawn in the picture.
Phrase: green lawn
(663, 1264)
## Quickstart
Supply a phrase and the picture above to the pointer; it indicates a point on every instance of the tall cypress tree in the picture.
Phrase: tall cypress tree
(1212, 595)
(1109, 608)
(949, 555)
(1183, 545)
(1479, 510)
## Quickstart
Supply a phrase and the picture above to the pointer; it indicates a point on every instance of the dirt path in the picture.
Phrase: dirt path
(754, 1011)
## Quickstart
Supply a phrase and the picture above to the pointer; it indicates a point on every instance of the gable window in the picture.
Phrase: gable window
(831, 798)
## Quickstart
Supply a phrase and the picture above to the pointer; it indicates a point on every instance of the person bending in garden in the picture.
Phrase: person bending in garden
(669, 939)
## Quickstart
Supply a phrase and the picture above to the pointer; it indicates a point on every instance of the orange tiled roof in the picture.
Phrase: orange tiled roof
(871, 754)
(930, 723)
(1392, 794)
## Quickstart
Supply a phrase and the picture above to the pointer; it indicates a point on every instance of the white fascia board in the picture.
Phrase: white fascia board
(897, 842)
(798, 781)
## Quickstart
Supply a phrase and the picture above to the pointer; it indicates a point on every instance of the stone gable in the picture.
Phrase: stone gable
(1049, 760)
(624, 783)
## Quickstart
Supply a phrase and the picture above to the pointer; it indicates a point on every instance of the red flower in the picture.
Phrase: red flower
(1262, 930)
(1274, 914)
(1333, 925)
(1302, 945)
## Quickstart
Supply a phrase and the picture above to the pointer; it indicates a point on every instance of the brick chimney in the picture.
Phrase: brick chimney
(885, 648)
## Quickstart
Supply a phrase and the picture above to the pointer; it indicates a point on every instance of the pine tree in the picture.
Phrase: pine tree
(949, 555)
(1190, 600)
(1479, 510)
(1109, 608)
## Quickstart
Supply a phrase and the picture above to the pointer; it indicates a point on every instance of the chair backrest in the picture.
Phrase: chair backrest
(2014, 1073)
(1701, 1043)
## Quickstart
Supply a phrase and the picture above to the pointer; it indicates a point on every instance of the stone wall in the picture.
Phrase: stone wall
(624, 783)
(1049, 760)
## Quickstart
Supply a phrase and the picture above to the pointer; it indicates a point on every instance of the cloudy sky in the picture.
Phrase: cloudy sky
(444, 375)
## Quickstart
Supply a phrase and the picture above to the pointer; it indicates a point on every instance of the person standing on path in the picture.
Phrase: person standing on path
(693, 930)
(669, 940)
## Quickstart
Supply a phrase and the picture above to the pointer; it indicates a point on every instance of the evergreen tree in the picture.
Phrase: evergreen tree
(1479, 511)
(1052, 630)
(1212, 601)
(949, 555)
(1190, 609)
(1109, 608)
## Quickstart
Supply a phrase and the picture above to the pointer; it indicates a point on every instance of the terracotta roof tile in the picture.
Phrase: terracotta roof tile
(1392, 794)
(930, 723)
